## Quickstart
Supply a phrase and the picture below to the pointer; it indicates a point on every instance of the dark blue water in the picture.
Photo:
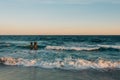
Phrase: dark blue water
(63, 52)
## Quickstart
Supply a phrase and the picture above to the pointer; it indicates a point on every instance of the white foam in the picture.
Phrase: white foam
(71, 48)
(78, 64)
(67, 63)
(19, 61)
(110, 46)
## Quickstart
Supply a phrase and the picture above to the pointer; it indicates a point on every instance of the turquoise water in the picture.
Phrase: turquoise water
(60, 58)
(62, 52)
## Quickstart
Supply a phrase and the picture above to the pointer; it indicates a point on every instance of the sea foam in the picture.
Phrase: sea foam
(71, 48)
(96, 48)
(66, 63)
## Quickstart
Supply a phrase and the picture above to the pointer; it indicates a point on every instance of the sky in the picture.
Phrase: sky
(59, 17)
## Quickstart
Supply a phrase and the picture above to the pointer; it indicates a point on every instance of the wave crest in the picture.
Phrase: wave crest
(67, 63)
(97, 48)
(79, 64)
(16, 61)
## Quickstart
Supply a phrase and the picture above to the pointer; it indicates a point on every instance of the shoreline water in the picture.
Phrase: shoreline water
(35, 73)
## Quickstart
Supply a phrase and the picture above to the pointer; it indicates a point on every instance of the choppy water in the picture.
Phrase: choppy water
(62, 52)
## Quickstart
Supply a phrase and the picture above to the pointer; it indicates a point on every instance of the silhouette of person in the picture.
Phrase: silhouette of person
(35, 46)
(31, 45)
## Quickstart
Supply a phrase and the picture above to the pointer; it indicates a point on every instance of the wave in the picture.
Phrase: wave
(28, 47)
(67, 63)
(70, 48)
(97, 48)
(110, 46)
(20, 46)
(2, 46)
(16, 61)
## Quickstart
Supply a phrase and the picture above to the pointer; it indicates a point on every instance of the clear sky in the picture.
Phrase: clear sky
(60, 17)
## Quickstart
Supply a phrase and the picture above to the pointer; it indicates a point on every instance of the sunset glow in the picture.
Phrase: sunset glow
(33, 17)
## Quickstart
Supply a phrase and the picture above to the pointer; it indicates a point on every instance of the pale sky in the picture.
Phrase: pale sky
(59, 17)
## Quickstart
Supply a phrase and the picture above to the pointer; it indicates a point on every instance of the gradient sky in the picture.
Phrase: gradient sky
(58, 17)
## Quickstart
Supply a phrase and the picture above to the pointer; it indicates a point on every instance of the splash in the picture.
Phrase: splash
(16, 61)
(66, 63)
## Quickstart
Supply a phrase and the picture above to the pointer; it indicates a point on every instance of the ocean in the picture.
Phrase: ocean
(73, 57)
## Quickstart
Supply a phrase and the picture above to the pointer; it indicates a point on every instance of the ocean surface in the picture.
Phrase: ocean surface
(82, 57)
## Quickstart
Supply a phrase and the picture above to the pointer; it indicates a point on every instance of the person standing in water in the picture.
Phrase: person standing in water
(35, 47)
(31, 46)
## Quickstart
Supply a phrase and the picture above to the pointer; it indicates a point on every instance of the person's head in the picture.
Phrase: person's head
(35, 43)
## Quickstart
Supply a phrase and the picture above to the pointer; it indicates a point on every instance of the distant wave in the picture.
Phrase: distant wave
(67, 63)
(28, 47)
(70, 48)
(19, 46)
(97, 48)
(110, 46)
(4, 45)
(64, 48)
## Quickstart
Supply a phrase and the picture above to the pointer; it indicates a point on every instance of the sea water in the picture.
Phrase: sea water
(64, 53)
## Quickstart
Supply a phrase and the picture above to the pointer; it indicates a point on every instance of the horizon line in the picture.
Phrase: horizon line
(62, 35)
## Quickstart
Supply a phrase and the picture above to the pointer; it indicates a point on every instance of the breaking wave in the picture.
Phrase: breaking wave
(70, 48)
(97, 48)
(16, 61)
(66, 63)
